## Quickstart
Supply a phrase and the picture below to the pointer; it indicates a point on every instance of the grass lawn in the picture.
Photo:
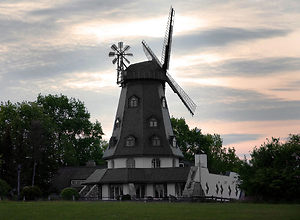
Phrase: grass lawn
(141, 210)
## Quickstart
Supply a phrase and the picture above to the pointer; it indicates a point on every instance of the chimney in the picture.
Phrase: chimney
(201, 159)
(90, 163)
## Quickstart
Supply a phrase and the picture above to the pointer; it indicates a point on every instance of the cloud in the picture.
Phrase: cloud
(260, 66)
(50, 62)
(236, 138)
(222, 36)
(84, 10)
(222, 103)
(291, 86)
(248, 67)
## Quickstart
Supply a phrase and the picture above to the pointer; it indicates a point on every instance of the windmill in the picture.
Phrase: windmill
(142, 132)
(119, 53)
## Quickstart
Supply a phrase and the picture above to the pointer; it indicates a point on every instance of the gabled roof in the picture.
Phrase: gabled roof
(140, 175)
(62, 179)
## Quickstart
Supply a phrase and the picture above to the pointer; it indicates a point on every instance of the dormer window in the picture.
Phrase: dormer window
(153, 122)
(112, 142)
(164, 102)
(133, 102)
(173, 141)
(117, 123)
(130, 141)
(156, 142)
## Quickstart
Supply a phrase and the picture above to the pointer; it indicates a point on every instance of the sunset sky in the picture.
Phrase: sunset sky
(238, 60)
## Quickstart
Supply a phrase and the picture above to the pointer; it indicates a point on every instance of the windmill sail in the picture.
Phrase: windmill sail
(187, 101)
(166, 52)
(164, 64)
(149, 53)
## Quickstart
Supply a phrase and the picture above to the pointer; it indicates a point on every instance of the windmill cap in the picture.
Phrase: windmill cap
(145, 70)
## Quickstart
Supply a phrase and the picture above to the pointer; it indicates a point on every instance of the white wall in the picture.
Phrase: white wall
(149, 190)
(171, 189)
(125, 188)
(210, 182)
(105, 191)
(142, 162)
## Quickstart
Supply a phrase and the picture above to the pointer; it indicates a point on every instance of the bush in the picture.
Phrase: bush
(4, 188)
(68, 193)
(31, 192)
(126, 197)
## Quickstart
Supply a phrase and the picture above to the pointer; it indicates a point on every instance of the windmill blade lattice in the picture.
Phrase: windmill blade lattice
(150, 54)
(166, 52)
(119, 53)
(164, 63)
(187, 101)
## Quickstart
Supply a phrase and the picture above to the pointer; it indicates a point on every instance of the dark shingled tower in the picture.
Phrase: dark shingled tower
(143, 116)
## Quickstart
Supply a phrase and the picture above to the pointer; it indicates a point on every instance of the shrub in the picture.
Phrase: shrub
(126, 197)
(68, 193)
(4, 188)
(31, 192)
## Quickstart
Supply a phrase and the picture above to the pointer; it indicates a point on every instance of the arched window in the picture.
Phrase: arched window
(130, 141)
(153, 123)
(130, 163)
(155, 163)
(133, 102)
(156, 141)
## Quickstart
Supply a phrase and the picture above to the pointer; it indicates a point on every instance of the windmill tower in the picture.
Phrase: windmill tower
(142, 135)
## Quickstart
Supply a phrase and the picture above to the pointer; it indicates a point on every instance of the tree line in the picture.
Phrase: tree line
(43, 135)
(271, 174)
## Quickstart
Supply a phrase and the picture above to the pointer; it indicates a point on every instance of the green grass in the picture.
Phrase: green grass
(141, 210)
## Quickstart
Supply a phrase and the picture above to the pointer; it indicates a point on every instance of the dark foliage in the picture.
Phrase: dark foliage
(43, 135)
(4, 188)
(68, 193)
(31, 193)
(192, 141)
(273, 172)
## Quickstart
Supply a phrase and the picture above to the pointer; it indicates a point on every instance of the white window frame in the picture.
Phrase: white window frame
(130, 163)
(156, 141)
(133, 102)
(130, 141)
(155, 163)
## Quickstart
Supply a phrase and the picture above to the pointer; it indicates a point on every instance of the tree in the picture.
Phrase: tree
(273, 172)
(191, 141)
(77, 139)
(4, 188)
(26, 136)
(35, 138)
(43, 135)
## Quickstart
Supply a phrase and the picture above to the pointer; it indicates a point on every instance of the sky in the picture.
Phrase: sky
(238, 60)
